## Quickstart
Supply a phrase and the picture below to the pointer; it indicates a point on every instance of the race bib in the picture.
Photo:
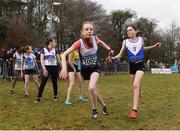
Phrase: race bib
(90, 60)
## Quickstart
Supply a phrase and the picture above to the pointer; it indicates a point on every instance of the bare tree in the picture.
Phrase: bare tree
(172, 39)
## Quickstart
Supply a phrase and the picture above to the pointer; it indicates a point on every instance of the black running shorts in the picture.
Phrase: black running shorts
(134, 67)
(86, 72)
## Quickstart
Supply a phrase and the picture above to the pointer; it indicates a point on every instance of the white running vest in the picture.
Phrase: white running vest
(50, 57)
(135, 50)
(88, 56)
(18, 58)
(29, 61)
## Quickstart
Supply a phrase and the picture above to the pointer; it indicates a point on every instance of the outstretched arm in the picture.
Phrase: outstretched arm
(151, 47)
(104, 45)
(121, 52)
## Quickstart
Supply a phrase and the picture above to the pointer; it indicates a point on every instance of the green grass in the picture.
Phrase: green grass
(159, 106)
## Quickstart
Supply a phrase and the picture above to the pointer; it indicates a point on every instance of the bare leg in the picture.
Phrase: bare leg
(15, 77)
(26, 85)
(136, 88)
(79, 78)
(35, 78)
(92, 88)
(71, 84)
(99, 98)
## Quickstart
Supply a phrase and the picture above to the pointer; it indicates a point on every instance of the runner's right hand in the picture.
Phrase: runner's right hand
(63, 74)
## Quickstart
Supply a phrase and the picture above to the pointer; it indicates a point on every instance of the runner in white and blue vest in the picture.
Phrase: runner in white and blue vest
(135, 48)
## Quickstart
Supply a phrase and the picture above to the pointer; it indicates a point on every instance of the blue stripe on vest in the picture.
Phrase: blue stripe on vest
(135, 58)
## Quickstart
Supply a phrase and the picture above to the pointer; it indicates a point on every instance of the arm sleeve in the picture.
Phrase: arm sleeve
(76, 45)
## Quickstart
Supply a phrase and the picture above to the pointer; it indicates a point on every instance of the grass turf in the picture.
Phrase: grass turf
(159, 105)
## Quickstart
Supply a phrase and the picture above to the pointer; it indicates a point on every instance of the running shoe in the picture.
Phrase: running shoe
(105, 112)
(68, 102)
(133, 115)
(94, 113)
(83, 99)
